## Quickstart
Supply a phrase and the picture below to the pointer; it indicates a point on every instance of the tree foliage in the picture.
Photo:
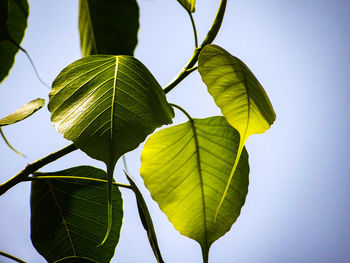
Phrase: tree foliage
(107, 103)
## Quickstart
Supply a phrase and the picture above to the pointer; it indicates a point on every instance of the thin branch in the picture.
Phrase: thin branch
(11, 257)
(182, 75)
(182, 110)
(33, 167)
(194, 29)
(213, 31)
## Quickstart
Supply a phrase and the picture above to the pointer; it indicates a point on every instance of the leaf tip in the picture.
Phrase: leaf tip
(109, 225)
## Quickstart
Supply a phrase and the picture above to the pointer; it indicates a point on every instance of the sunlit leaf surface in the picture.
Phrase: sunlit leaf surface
(13, 22)
(189, 5)
(23, 112)
(107, 105)
(237, 92)
(108, 26)
(68, 217)
(186, 168)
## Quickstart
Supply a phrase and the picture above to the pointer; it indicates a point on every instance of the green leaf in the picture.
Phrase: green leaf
(19, 115)
(108, 26)
(186, 167)
(237, 92)
(13, 22)
(146, 220)
(23, 112)
(76, 260)
(189, 5)
(68, 216)
(107, 105)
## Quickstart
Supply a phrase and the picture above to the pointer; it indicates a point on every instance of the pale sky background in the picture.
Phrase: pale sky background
(298, 205)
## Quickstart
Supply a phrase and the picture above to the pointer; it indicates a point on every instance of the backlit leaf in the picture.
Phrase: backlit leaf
(107, 105)
(19, 115)
(108, 26)
(13, 22)
(237, 92)
(189, 5)
(23, 112)
(186, 168)
(68, 216)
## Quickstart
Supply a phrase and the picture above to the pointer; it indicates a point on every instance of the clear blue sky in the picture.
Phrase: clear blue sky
(298, 205)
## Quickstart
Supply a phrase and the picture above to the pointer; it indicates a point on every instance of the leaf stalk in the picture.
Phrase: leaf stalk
(194, 29)
(212, 33)
(4, 254)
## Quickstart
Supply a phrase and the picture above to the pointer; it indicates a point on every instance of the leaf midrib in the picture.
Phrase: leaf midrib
(195, 136)
(64, 222)
(112, 143)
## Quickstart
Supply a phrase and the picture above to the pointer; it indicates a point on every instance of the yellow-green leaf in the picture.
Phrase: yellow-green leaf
(186, 167)
(189, 5)
(20, 114)
(23, 112)
(238, 93)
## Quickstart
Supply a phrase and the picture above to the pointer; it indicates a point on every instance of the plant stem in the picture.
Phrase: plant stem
(205, 255)
(11, 257)
(42, 178)
(33, 167)
(182, 110)
(194, 29)
(213, 31)
(183, 74)
(215, 27)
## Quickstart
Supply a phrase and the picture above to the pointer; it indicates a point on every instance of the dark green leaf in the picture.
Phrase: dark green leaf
(23, 112)
(146, 220)
(107, 105)
(13, 22)
(108, 26)
(76, 260)
(186, 167)
(68, 216)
